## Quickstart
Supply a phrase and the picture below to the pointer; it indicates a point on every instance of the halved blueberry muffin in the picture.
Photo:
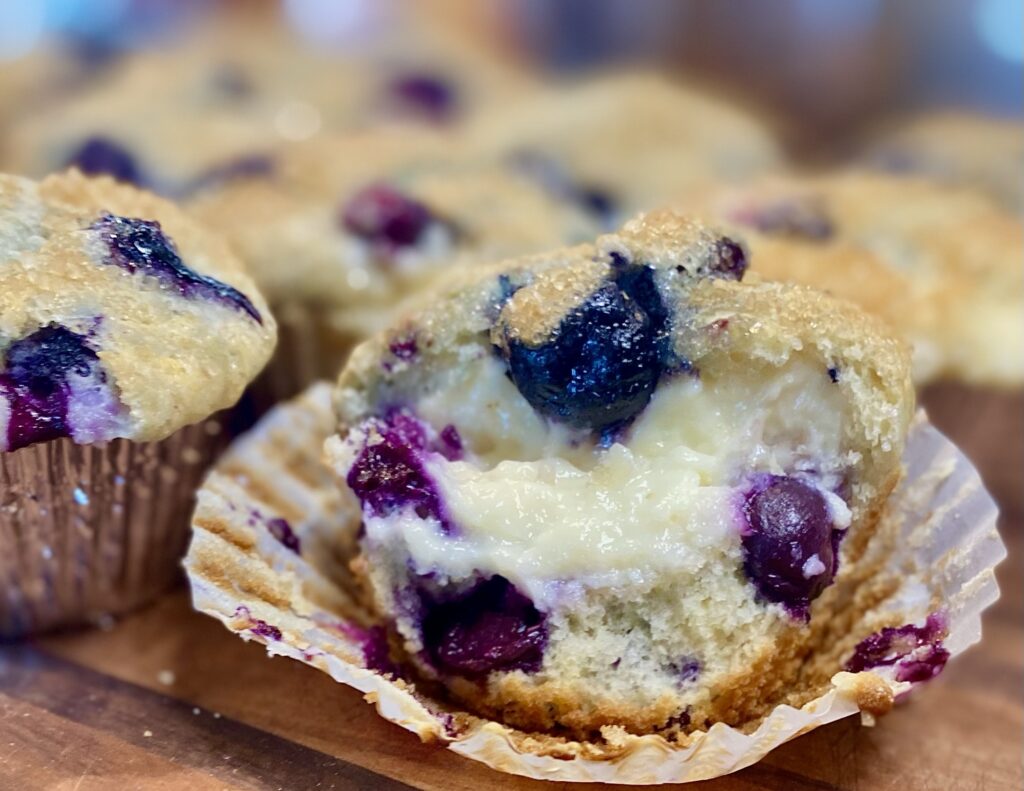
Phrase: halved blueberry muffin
(939, 263)
(124, 326)
(611, 485)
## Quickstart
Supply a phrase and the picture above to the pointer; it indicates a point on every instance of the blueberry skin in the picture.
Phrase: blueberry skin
(789, 523)
(34, 382)
(491, 627)
(101, 156)
(141, 246)
(600, 368)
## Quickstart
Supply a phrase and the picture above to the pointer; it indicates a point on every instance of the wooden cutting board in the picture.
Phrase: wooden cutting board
(168, 699)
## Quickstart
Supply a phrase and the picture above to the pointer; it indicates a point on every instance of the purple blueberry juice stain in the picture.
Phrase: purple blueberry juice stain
(264, 629)
(789, 544)
(102, 156)
(282, 531)
(427, 95)
(686, 669)
(916, 652)
(373, 642)
(833, 374)
(389, 474)
(38, 383)
(491, 627)
(140, 246)
(386, 218)
(255, 625)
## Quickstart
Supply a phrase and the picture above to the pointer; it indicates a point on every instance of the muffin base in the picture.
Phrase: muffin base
(940, 549)
(92, 531)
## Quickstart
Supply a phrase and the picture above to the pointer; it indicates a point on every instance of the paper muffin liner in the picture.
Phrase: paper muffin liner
(272, 535)
(91, 531)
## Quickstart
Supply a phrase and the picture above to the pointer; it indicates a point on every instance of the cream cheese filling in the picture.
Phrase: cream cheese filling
(538, 505)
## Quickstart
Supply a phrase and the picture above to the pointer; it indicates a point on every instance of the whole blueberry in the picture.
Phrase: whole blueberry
(598, 370)
(34, 382)
(101, 156)
(428, 95)
(788, 547)
(384, 216)
(141, 246)
(491, 627)
(389, 473)
(599, 203)
(730, 260)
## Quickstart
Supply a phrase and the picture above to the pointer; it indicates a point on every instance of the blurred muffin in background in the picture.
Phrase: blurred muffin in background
(620, 143)
(170, 117)
(125, 329)
(340, 232)
(957, 148)
(941, 264)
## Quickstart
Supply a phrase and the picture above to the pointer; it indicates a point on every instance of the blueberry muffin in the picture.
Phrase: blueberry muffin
(940, 264)
(612, 485)
(625, 142)
(958, 148)
(340, 232)
(124, 327)
(157, 121)
(173, 118)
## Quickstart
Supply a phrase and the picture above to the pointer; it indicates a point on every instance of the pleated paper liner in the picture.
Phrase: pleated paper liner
(90, 531)
(272, 535)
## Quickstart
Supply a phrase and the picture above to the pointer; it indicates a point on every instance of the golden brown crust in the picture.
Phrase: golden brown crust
(173, 360)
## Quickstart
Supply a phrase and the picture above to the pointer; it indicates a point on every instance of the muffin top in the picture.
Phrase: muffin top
(588, 334)
(626, 142)
(956, 148)
(939, 263)
(203, 122)
(355, 224)
(119, 315)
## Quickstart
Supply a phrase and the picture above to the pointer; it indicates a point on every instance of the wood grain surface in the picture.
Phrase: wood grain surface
(168, 699)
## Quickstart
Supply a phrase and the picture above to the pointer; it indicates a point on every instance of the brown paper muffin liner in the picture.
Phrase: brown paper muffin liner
(91, 531)
(269, 560)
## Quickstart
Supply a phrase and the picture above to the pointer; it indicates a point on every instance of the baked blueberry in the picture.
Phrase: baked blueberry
(385, 217)
(389, 474)
(490, 627)
(788, 547)
(428, 95)
(141, 246)
(599, 368)
(102, 156)
(35, 382)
